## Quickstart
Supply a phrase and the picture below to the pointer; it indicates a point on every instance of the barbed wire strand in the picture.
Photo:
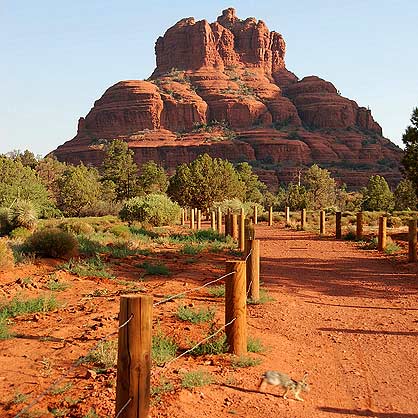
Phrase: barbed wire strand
(192, 290)
(246, 258)
(199, 343)
(123, 407)
(73, 367)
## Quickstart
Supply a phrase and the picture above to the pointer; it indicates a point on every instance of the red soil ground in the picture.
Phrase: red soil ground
(346, 316)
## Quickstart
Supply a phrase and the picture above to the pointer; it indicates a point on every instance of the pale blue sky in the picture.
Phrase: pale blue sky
(58, 57)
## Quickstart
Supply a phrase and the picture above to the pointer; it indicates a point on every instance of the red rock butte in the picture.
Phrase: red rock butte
(223, 88)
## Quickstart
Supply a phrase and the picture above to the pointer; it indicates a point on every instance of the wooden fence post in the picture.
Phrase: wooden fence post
(134, 356)
(287, 215)
(359, 226)
(192, 219)
(270, 216)
(255, 215)
(253, 268)
(381, 239)
(241, 231)
(219, 219)
(235, 226)
(228, 224)
(322, 222)
(338, 231)
(213, 220)
(199, 219)
(412, 239)
(236, 307)
(303, 218)
(182, 217)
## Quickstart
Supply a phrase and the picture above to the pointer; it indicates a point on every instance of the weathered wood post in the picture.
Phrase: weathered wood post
(235, 226)
(381, 239)
(322, 222)
(287, 215)
(192, 226)
(236, 307)
(338, 230)
(183, 220)
(303, 218)
(412, 240)
(213, 220)
(241, 231)
(253, 268)
(255, 215)
(219, 219)
(270, 216)
(359, 226)
(199, 219)
(228, 225)
(134, 356)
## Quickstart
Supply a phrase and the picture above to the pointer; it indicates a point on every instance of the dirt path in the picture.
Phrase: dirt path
(346, 316)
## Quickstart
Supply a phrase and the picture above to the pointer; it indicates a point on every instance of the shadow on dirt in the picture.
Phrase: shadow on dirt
(370, 331)
(366, 413)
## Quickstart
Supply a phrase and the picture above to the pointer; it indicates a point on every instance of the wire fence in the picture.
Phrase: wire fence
(65, 375)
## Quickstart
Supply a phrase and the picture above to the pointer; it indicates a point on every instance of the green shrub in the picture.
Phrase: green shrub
(122, 231)
(6, 255)
(77, 227)
(195, 316)
(217, 291)
(20, 233)
(23, 214)
(89, 246)
(93, 267)
(5, 226)
(244, 361)
(163, 348)
(51, 242)
(154, 209)
(215, 345)
(196, 378)
(18, 306)
(264, 297)
(254, 345)
(104, 355)
(189, 249)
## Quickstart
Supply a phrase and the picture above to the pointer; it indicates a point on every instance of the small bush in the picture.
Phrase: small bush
(244, 361)
(196, 378)
(90, 247)
(92, 267)
(350, 235)
(104, 355)
(254, 345)
(154, 209)
(164, 387)
(370, 245)
(122, 231)
(216, 345)
(20, 233)
(155, 269)
(195, 316)
(6, 255)
(163, 348)
(56, 286)
(4, 329)
(77, 227)
(391, 247)
(264, 298)
(52, 242)
(23, 214)
(18, 306)
(189, 249)
(5, 226)
(217, 291)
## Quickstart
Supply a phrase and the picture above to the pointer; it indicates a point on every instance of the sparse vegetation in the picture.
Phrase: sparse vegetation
(254, 345)
(105, 355)
(217, 291)
(195, 316)
(155, 269)
(93, 267)
(163, 348)
(194, 379)
(244, 361)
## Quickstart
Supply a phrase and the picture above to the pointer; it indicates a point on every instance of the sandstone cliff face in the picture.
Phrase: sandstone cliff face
(223, 88)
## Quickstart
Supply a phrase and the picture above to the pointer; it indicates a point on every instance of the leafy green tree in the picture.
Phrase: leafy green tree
(377, 195)
(405, 196)
(120, 168)
(78, 187)
(204, 181)
(320, 188)
(153, 178)
(295, 196)
(27, 158)
(410, 158)
(254, 188)
(20, 182)
(49, 170)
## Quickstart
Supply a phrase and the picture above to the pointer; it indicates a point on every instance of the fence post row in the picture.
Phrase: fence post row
(199, 219)
(287, 215)
(236, 307)
(219, 219)
(322, 222)
(213, 220)
(253, 268)
(270, 216)
(134, 356)
(412, 241)
(192, 218)
(338, 231)
(381, 239)
(241, 231)
(303, 218)
(255, 215)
